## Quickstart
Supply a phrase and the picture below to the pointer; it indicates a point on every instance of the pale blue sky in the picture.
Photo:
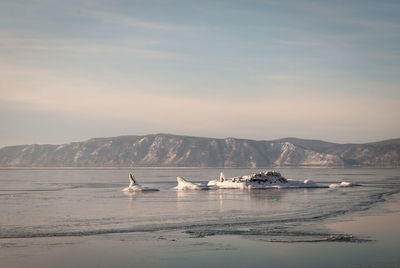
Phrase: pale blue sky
(72, 70)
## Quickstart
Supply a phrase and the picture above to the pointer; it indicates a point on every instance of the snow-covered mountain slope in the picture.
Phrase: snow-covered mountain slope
(184, 151)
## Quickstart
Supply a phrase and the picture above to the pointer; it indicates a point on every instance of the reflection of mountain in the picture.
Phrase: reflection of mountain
(182, 151)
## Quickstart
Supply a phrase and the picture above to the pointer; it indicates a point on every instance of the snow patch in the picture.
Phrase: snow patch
(60, 147)
(78, 155)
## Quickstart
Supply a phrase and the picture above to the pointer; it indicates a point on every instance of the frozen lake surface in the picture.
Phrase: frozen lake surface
(80, 217)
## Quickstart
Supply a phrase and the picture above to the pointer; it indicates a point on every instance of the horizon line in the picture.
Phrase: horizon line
(201, 137)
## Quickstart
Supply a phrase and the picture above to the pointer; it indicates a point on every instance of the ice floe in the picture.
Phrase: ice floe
(261, 180)
(186, 185)
(135, 187)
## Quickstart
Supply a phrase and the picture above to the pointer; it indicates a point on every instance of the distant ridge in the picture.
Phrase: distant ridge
(168, 150)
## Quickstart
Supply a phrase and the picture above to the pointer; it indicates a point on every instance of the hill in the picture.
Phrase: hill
(166, 150)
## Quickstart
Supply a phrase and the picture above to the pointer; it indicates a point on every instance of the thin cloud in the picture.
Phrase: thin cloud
(296, 43)
(52, 92)
(84, 46)
(129, 21)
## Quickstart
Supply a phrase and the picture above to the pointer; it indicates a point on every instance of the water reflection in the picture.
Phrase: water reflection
(131, 205)
(229, 199)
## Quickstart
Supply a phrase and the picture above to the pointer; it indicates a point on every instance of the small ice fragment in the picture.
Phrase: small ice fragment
(342, 184)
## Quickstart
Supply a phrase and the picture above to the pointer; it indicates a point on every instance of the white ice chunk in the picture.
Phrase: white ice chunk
(266, 179)
(135, 187)
(186, 185)
(342, 184)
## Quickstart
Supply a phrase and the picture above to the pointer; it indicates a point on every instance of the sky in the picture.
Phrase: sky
(74, 70)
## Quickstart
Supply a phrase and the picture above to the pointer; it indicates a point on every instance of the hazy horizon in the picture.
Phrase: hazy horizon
(174, 134)
(261, 70)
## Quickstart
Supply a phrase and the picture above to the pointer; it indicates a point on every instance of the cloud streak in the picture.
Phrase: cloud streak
(80, 46)
(85, 99)
(108, 17)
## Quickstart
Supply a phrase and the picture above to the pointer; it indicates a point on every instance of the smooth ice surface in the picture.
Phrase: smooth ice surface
(80, 218)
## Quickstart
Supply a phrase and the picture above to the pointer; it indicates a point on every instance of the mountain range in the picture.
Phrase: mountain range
(166, 150)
